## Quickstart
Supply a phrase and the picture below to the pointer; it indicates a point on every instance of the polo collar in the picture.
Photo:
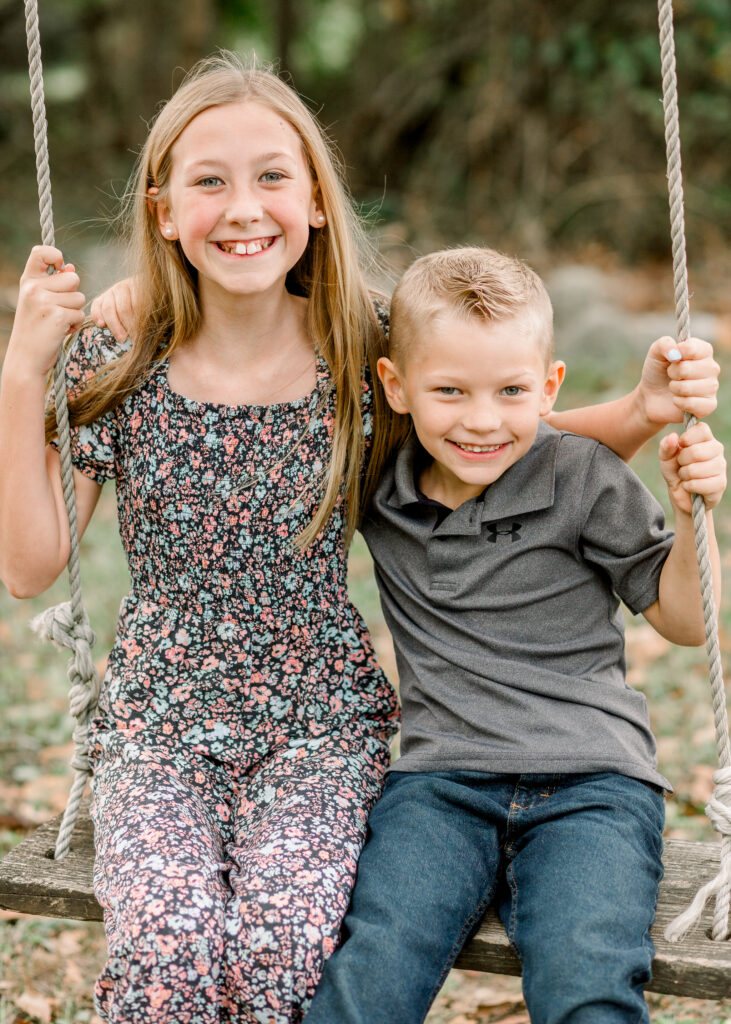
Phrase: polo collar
(527, 486)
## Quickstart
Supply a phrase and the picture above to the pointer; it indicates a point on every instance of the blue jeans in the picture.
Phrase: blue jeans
(572, 862)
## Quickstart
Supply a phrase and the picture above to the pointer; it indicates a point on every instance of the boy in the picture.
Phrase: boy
(527, 775)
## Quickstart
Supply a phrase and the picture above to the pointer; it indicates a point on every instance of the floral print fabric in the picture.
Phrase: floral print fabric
(243, 727)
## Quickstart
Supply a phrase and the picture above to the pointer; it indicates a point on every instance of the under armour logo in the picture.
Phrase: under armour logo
(494, 533)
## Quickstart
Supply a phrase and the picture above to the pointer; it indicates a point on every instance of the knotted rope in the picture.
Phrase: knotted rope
(67, 624)
(719, 807)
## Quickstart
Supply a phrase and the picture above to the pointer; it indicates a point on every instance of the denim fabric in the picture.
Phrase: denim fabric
(573, 863)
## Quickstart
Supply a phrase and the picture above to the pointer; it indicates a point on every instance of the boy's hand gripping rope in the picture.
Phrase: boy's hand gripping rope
(67, 624)
(719, 807)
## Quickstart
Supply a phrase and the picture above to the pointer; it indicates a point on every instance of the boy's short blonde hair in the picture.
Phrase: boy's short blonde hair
(468, 282)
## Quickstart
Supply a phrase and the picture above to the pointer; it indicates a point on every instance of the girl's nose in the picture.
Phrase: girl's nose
(244, 207)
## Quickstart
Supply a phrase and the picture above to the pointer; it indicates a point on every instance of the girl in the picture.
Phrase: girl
(243, 729)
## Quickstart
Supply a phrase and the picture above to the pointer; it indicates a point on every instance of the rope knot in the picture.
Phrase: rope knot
(718, 808)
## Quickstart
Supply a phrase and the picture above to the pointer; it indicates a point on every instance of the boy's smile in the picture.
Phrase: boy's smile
(475, 391)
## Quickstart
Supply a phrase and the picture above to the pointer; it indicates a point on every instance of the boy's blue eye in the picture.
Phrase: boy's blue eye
(512, 390)
(448, 391)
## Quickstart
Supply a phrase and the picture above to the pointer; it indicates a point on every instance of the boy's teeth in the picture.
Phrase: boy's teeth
(480, 447)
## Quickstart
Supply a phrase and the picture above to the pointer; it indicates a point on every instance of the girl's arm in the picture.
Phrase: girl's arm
(668, 388)
(34, 533)
(691, 464)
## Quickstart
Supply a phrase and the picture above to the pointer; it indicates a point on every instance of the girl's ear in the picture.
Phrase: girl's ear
(390, 378)
(551, 386)
(316, 214)
(162, 213)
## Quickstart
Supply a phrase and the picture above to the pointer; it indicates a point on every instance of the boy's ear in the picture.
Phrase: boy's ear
(390, 378)
(553, 382)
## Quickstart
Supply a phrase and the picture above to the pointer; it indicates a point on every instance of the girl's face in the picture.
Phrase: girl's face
(241, 200)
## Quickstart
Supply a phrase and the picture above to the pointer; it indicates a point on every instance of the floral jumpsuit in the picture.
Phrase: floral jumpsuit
(243, 727)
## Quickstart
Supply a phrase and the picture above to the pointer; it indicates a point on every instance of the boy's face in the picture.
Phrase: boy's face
(475, 391)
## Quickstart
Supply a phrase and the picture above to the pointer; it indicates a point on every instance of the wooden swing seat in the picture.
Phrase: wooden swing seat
(32, 882)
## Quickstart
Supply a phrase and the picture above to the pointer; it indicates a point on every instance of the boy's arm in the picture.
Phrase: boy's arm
(668, 387)
(115, 308)
(691, 464)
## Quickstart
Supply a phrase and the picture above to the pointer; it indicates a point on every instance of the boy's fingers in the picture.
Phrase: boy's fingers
(669, 446)
(698, 432)
(113, 322)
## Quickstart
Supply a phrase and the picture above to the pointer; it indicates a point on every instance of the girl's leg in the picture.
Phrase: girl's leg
(425, 877)
(158, 878)
(300, 828)
(584, 865)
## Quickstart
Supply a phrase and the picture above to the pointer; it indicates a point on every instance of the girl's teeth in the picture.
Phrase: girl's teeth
(244, 249)
(480, 448)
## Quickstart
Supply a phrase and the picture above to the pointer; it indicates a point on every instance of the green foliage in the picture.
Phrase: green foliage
(528, 124)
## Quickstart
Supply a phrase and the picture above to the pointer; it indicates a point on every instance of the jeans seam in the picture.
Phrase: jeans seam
(510, 928)
(459, 942)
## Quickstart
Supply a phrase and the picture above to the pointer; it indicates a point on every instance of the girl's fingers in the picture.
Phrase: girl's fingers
(66, 281)
(42, 257)
(699, 378)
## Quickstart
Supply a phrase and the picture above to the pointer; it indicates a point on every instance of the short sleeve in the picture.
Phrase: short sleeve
(623, 531)
(94, 446)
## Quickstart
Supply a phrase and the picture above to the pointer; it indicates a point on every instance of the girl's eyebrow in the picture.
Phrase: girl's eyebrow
(215, 161)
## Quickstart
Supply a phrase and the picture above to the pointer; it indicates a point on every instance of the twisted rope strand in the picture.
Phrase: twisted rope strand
(67, 625)
(719, 808)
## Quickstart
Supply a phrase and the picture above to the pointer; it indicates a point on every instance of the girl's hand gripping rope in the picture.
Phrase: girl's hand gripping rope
(671, 386)
(50, 306)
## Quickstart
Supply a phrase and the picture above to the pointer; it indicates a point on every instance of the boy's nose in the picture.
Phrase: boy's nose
(481, 417)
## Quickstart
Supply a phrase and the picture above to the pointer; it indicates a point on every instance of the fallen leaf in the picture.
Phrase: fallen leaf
(35, 1005)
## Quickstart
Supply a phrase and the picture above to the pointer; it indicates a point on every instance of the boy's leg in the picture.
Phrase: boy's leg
(425, 877)
(584, 865)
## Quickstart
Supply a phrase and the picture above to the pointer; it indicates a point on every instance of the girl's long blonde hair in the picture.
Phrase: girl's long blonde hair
(331, 273)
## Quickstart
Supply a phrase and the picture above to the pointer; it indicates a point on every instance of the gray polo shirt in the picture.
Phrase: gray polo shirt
(506, 614)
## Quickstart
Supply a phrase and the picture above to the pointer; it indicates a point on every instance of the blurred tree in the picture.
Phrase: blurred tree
(529, 124)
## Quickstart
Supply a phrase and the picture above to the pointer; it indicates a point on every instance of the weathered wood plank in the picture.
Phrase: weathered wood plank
(32, 882)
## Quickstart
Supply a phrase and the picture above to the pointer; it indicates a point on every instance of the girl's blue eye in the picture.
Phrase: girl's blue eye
(272, 177)
(210, 180)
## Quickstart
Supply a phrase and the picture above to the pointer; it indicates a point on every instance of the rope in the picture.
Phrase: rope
(67, 624)
(719, 807)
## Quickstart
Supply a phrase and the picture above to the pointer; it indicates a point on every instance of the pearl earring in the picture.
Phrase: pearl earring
(169, 232)
(320, 218)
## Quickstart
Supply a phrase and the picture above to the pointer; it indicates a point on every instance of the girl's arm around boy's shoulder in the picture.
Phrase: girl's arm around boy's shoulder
(693, 463)
(676, 378)
(34, 535)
